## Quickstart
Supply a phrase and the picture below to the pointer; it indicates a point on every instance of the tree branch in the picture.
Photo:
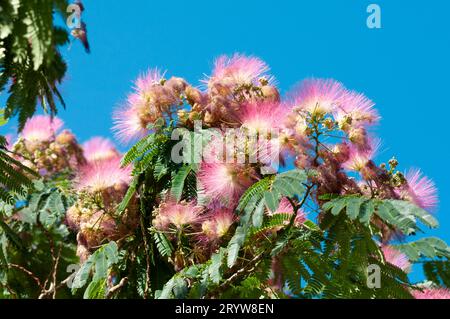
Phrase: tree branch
(117, 287)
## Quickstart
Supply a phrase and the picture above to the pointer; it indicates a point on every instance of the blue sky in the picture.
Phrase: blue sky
(403, 67)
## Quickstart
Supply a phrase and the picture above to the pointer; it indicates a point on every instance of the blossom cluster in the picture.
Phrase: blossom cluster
(96, 174)
(321, 125)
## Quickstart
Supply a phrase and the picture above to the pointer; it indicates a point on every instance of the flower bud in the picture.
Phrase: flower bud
(270, 93)
(66, 137)
(193, 95)
(341, 152)
(358, 136)
(176, 84)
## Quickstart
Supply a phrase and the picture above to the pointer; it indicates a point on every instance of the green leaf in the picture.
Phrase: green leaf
(354, 206)
(426, 247)
(163, 245)
(138, 150)
(258, 215)
(179, 180)
(99, 262)
(96, 289)
(235, 245)
(82, 275)
(129, 195)
(11, 234)
(367, 210)
(438, 271)
(339, 206)
(272, 200)
(176, 287)
(407, 208)
(214, 269)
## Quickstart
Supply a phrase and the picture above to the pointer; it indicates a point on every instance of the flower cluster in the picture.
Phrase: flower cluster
(96, 174)
(320, 125)
(42, 147)
(101, 185)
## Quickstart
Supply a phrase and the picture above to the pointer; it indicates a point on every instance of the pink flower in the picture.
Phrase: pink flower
(217, 223)
(357, 158)
(99, 149)
(131, 121)
(223, 181)
(420, 190)
(358, 108)
(239, 69)
(432, 293)
(178, 215)
(41, 128)
(318, 96)
(396, 258)
(100, 175)
(285, 207)
(128, 125)
(263, 116)
(147, 80)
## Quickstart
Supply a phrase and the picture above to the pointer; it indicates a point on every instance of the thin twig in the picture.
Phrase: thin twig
(29, 273)
(55, 268)
(147, 250)
(117, 287)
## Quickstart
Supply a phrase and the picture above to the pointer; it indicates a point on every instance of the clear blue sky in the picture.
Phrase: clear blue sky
(403, 67)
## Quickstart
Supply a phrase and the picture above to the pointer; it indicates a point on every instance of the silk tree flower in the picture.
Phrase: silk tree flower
(419, 190)
(432, 293)
(66, 153)
(99, 176)
(238, 70)
(171, 214)
(101, 186)
(224, 181)
(355, 110)
(396, 258)
(317, 96)
(99, 149)
(128, 125)
(148, 80)
(216, 224)
(270, 152)
(262, 116)
(102, 226)
(285, 207)
(41, 128)
(359, 137)
(131, 120)
(44, 149)
(358, 159)
(98, 228)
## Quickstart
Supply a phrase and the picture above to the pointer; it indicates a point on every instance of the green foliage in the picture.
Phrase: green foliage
(33, 237)
(351, 249)
(265, 193)
(15, 178)
(398, 214)
(163, 245)
(180, 180)
(29, 58)
(438, 272)
(425, 247)
(99, 265)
